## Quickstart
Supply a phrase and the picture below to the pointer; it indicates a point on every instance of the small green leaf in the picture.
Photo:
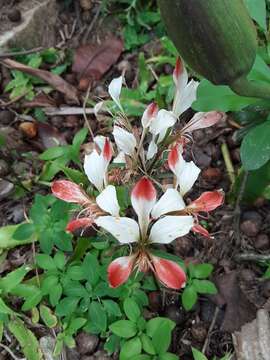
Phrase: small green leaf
(47, 316)
(12, 279)
(124, 328)
(168, 356)
(91, 268)
(204, 286)
(59, 260)
(79, 138)
(201, 271)
(147, 344)
(53, 153)
(257, 10)
(189, 297)
(131, 309)
(55, 294)
(24, 231)
(130, 349)
(32, 300)
(45, 262)
(255, 148)
(198, 355)
(5, 309)
(98, 316)
(162, 338)
(67, 306)
(155, 323)
(111, 307)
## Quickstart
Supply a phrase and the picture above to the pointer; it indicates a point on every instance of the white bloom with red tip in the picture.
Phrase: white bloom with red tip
(164, 120)
(164, 230)
(96, 163)
(186, 172)
(149, 115)
(114, 90)
(185, 92)
(202, 120)
(144, 202)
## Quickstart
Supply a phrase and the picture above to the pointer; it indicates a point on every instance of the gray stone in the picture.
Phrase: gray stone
(47, 344)
(6, 188)
(86, 343)
(36, 27)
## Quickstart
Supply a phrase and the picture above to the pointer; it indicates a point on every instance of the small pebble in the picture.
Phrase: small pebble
(14, 15)
(86, 343)
(29, 129)
(251, 223)
(198, 332)
(4, 168)
(262, 242)
(212, 175)
(102, 355)
(266, 288)
(6, 117)
(6, 188)
(175, 313)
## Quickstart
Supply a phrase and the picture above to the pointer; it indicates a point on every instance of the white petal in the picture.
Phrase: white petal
(115, 90)
(171, 200)
(100, 141)
(202, 120)
(120, 158)
(152, 150)
(125, 141)
(184, 99)
(168, 228)
(107, 200)
(180, 75)
(124, 229)
(95, 168)
(98, 107)
(164, 120)
(187, 177)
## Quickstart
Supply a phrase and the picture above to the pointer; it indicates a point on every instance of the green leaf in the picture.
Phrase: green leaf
(67, 306)
(27, 340)
(45, 262)
(53, 153)
(147, 344)
(130, 349)
(12, 279)
(59, 260)
(78, 139)
(5, 309)
(155, 323)
(48, 283)
(123, 328)
(24, 231)
(75, 289)
(55, 294)
(76, 324)
(111, 307)
(162, 338)
(131, 309)
(189, 297)
(75, 175)
(32, 300)
(47, 316)
(257, 10)
(255, 148)
(91, 268)
(76, 272)
(168, 356)
(98, 316)
(204, 286)
(201, 271)
(198, 355)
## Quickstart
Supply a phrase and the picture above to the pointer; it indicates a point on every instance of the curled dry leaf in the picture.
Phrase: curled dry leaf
(52, 79)
(41, 100)
(91, 61)
(50, 136)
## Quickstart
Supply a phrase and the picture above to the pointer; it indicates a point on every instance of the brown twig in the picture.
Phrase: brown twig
(84, 112)
(205, 345)
(23, 52)
(87, 33)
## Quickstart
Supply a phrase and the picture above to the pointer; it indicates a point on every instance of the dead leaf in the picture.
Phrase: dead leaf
(238, 310)
(29, 129)
(91, 61)
(54, 80)
(50, 136)
(41, 100)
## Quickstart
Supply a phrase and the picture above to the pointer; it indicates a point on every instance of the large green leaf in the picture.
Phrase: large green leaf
(255, 148)
(7, 240)
(257, 10)
(27, 340)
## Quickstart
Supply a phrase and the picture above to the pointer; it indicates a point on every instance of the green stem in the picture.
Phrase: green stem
(245, 87)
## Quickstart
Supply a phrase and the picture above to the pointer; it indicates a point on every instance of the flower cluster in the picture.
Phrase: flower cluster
(159, 221)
